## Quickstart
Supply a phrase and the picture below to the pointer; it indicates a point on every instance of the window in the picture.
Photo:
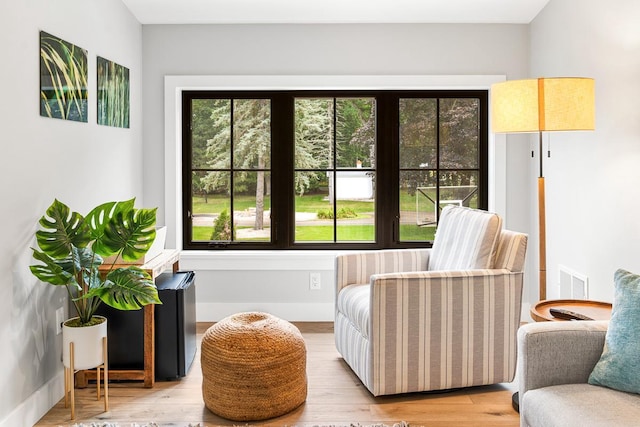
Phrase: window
(334, 170)
(439, 161)
(328, 169)
(230, 170)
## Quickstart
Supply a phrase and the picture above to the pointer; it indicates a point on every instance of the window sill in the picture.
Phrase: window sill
(258, 260)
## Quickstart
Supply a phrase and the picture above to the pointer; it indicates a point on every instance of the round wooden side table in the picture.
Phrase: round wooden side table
(594, 310)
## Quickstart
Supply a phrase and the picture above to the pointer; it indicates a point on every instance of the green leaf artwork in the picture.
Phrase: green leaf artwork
(63, 79)
(113, 94)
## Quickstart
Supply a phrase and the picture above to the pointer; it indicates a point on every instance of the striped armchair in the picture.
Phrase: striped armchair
(433, 319)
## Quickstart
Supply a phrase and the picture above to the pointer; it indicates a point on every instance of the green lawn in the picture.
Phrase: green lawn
(202, 234)
(324, 233)
(216, 204)
(414, 233)
(350, 233)
(314, 203)
(356, 233)
(306, 203)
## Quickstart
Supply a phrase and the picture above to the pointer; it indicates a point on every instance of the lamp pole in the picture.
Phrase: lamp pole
(542, 229)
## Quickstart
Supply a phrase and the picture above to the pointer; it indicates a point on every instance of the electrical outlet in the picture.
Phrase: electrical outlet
(59, 320)
(314, 281)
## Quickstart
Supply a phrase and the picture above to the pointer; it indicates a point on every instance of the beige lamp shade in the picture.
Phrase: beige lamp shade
(545, 104)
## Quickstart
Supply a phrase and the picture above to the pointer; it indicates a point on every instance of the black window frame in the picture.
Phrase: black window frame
(282, 165)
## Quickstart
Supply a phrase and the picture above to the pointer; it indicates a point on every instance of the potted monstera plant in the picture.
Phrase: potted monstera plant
(72, 250)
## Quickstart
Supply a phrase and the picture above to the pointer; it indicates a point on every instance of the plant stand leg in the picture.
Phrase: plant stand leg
(98, 383)
(105, 375)
(66, 387)
(71, 374)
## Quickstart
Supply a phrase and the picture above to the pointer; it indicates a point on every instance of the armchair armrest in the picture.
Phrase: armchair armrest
(357, 268)
(435, 330)
(553, 353)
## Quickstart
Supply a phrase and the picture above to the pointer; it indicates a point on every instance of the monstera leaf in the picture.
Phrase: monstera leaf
(50, 271)
(62, 229)
(128, 288)
(65, 271)
(132, 233)
(119, 228)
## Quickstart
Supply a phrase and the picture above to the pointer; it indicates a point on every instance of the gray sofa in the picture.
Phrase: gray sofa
(554, 363)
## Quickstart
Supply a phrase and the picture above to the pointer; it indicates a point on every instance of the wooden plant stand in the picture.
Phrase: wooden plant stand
(69, 386)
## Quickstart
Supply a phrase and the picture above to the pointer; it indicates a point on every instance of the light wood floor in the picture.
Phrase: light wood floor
(335, 398)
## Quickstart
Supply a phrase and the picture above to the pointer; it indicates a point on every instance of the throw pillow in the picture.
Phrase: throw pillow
(465, 239)
(619, 365)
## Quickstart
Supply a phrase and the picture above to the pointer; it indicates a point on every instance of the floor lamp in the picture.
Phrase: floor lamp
(543, 105)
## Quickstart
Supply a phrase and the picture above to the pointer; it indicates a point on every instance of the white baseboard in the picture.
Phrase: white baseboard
(38, 404)
(293, 312)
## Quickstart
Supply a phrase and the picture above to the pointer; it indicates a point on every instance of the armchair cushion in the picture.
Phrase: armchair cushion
(619, 365)
(353, 301)
(465, 239)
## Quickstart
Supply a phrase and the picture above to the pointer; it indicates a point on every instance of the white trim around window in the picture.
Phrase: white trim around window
(174, 85)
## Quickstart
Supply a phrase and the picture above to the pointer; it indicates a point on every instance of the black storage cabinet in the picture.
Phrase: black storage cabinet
(175, 329)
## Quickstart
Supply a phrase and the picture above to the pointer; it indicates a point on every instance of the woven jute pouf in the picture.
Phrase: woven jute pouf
(253, 367)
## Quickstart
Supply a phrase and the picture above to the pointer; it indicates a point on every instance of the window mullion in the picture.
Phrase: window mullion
(438, 152)
(334, 156)
(231, 169)
(282, 196)
(187, 173)
(387, 169)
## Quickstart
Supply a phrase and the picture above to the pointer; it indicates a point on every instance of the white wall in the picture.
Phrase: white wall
(82, 164)
(235, 281)
(592, 178)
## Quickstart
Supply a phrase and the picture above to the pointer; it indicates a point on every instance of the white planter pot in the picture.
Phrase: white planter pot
(87, 343)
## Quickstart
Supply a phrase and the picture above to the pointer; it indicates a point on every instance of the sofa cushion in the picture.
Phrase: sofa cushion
(511, 251)
(619, 365)
(579, 405)
(465, 239)
(353, 302)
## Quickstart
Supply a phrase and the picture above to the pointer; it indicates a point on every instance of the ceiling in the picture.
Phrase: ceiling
(334, 11)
